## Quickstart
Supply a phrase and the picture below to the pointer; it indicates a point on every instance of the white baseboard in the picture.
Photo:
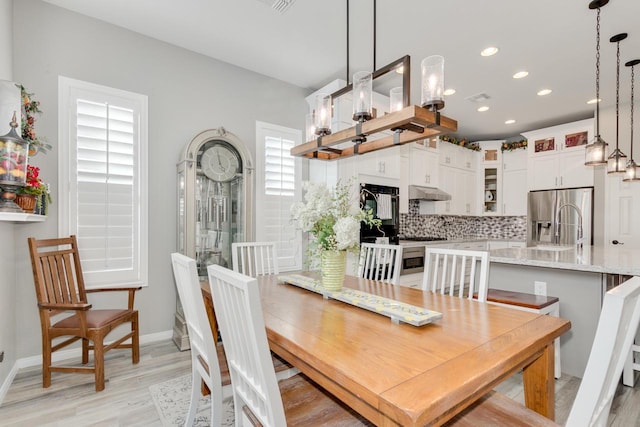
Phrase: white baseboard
(27, 362)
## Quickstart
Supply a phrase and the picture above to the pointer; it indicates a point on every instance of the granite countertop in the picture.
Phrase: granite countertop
(596, 259)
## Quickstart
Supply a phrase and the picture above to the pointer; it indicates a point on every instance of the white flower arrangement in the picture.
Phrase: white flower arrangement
(331, 218)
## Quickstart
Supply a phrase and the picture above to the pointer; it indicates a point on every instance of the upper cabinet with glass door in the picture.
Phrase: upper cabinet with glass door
(556, 156)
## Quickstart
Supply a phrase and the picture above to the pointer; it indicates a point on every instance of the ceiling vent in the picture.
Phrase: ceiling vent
(279, 5)
(480, 97)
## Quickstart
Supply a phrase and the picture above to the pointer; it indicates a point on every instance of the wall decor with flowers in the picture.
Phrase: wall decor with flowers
(34, 195)
(31, 108)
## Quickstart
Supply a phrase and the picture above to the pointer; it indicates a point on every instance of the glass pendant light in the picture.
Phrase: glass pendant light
(595, 153)
(631, 173)
(432, 68)
(362, 96)
(323, 114)
(617, 160)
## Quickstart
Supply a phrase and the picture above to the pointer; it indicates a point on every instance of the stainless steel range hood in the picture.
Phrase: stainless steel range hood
(417, 192)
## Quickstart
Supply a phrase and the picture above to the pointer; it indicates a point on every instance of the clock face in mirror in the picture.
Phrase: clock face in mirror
(219, 163)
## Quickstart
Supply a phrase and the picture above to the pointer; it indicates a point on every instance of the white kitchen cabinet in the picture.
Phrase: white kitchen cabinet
(554, 160)
(457, 176)
(456, 156)
(423, 167)
(382, 163)
(514, 179)
(447, 178)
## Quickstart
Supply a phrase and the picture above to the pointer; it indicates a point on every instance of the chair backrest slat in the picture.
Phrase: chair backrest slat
(57, 271)
(616, 330)
(255, 258)
(380, 262)
(236, 300)
(456, 272)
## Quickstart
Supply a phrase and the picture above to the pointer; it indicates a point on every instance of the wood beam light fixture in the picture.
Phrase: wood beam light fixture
(403, 124)
(408, 124)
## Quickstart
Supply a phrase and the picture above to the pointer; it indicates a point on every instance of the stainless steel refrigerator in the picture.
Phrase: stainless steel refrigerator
(557, 216)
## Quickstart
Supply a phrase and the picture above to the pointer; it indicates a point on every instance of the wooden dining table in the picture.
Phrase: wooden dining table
(397, 374)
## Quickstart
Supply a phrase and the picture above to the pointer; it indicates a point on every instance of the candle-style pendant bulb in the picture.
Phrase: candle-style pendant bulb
(432, 68)
(362, 96)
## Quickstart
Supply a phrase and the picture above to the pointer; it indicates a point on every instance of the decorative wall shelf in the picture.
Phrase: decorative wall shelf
(21, 217)
(416, 123)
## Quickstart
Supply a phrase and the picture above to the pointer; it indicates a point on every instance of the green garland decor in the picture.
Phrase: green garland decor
(474, 146)
(510, 146)
(30, 108)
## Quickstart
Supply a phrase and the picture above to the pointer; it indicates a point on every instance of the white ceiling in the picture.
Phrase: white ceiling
(552, 39)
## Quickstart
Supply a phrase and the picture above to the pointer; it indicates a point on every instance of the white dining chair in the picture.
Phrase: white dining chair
(254, 258)
(204, 358)
(456, 272)
(257, 259)
(380, 262)
(294, 401)
(609, 352)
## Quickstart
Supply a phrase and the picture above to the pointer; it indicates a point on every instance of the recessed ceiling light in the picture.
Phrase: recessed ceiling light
(483, 108)
(593, 101)
(520, 74)
(489, 51)
(449, 92)
(509, 122)
(544, 92)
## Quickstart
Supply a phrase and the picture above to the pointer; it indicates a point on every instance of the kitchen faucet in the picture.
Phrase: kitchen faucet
(557, 230)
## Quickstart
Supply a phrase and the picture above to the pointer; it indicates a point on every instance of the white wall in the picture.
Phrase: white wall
(188, 93)
(8, 276)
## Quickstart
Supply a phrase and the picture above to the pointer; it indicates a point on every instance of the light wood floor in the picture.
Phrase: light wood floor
(126, 401)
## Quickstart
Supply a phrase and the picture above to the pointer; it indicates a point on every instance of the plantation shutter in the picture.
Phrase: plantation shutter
(278, 187)
(107, 184)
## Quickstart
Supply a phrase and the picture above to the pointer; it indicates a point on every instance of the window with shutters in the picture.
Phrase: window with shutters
(278, 186)
(103, 180)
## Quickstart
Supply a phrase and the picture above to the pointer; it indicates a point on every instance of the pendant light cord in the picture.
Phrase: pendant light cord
(375, 19)
(374, 33)
(632, 88)
(347, 42)
(617, 100)
(598, 74)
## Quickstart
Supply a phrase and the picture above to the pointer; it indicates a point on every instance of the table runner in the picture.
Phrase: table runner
(397, 311)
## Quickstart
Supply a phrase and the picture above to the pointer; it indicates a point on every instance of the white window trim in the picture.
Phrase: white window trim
(263, 130)
(67, 88)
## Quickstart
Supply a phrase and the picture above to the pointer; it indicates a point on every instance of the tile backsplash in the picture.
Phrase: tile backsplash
(458, 227)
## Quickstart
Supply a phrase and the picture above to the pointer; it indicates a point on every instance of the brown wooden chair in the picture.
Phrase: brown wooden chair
(60, 291)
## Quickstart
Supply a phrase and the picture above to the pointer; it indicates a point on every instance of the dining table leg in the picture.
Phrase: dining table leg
(539, 386)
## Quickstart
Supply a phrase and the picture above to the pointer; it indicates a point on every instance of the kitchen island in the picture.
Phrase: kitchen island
(579, 278)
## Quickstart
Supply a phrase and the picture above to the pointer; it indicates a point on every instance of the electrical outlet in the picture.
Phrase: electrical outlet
(540, 288)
